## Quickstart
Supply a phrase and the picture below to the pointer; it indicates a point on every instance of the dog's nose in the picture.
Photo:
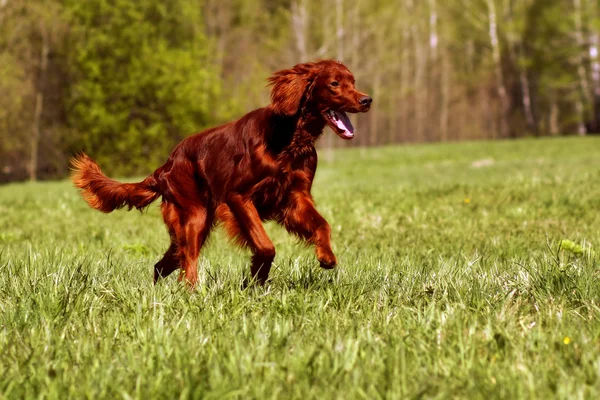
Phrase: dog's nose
(365, 101)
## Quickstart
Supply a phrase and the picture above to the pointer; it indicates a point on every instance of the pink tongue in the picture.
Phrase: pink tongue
(343, 122)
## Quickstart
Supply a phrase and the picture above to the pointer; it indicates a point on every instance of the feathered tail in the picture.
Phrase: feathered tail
(105, 194)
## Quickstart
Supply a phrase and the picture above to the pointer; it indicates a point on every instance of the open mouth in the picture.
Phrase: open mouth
(340, 123)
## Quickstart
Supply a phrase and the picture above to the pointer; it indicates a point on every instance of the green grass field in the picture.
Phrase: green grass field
(451, 283)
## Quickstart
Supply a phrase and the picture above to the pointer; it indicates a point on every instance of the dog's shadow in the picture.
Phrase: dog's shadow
(306, 277)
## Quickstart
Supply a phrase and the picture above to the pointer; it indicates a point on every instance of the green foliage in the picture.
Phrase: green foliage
(435, 296)
(557, 69)
(142, 79)
(575, 248)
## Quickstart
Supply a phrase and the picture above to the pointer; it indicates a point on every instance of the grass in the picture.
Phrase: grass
(452, 283)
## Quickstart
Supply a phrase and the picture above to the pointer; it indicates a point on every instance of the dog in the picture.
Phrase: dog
(260, 167)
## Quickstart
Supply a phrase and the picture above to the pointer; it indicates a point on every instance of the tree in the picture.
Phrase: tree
(142, 78)
(31, 30)
(127, 80)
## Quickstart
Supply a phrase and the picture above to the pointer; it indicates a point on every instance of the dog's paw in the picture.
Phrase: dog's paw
(327, 260)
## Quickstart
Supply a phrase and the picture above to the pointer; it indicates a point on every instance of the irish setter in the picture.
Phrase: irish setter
(260, 167)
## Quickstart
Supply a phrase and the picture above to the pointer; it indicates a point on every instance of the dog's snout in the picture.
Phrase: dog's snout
(365, 101)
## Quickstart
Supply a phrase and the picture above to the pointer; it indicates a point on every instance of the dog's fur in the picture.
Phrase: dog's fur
(260, 167)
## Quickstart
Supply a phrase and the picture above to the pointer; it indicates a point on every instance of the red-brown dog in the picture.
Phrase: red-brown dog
(260, 167)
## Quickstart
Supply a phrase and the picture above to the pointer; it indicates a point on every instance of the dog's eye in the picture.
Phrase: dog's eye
(335, 83)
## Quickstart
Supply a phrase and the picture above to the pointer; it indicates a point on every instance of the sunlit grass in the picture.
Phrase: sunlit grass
(467, 270)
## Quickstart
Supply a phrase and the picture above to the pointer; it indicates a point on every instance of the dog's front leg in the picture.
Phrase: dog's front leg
(301, 218)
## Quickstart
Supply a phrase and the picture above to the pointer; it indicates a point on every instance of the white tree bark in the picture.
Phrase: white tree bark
(2, 5)
(594, 44)
(354, 59)
(433, 31)
(339, 25)
(584, 99)
(299, 23)
(500, 87)
(339, 34)
(594, 48)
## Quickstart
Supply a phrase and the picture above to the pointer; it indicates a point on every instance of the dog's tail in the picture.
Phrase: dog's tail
(105, 194)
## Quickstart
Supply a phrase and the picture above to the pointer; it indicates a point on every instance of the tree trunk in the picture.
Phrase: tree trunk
(299, 22)
(376, 94)
(595, 64)
(500, 87)
(433, 35)
(470, 54)
(217, 24)
(444, 112)
(515, 49)
(524, 82)
(531, 125)
(393, 117)
(39, 105)
(339, 34)
(594, 42)
(404, 84)
(354, 59)
(553, 122)
(374, 114)
(419, 78)
(582, 104)
(339, 31)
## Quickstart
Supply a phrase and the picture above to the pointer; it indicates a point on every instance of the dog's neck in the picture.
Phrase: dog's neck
(308, 129)
(295, 136)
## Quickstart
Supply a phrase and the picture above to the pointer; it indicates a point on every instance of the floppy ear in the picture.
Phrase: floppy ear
(289, 87)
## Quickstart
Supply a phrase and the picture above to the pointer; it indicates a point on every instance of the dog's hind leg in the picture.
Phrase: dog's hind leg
(167, 264)
(189, 230)
(170, 261)
(197, 223)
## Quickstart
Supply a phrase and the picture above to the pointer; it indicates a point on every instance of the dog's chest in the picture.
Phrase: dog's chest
(274, 185)
(280, 178)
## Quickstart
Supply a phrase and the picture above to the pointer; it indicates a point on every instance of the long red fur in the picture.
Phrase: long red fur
(107, 195)
(257, 168)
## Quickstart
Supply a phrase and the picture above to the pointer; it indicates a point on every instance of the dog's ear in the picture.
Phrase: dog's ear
(289, 88)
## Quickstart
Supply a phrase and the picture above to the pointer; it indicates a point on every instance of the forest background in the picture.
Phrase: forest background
(126, 80)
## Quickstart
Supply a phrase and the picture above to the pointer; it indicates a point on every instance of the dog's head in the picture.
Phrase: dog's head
(325, 89)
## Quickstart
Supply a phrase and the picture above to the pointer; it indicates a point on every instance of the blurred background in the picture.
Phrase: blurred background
(126, 80)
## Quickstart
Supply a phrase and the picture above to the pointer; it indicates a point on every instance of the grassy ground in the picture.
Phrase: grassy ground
(451, 283)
